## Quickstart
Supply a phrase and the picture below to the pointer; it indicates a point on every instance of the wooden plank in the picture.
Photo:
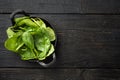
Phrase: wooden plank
(40, 74)
(102, 74)
(61, 6)
(59, 74)
(83, 41)
(74, 22)
(41, 6)
(100, 6)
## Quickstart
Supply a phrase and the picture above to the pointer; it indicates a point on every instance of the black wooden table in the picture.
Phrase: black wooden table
(88, 40)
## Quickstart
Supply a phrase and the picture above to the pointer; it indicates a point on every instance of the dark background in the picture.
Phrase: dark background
(88, 40)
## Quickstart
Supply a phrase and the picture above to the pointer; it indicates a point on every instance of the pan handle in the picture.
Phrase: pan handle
(14, 13)
(50, 63)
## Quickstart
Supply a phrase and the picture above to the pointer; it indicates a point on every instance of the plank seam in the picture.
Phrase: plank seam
(70, 13)
(58, 68)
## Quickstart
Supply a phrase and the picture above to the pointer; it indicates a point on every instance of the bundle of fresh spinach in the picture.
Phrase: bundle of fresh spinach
(30, 38)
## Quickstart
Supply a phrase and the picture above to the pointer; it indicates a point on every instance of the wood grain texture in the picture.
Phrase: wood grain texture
(61, 6)
(59, 74)
(88, 40)
(85, 41)
(40, 74)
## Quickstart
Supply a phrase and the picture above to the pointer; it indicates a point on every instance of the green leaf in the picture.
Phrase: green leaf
(19, 43)
(10, 44)
(13, 43)
(42, 43)
(50, 33)
(39, 22)
(27, 53)
(28, 40)
(43, 55)
(17, 20)
(51, 50)
(27, 22)
(10, 32)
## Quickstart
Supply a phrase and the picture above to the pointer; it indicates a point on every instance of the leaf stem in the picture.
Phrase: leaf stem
(36, 52)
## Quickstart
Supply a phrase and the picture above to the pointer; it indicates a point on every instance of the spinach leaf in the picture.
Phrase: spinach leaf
(28, 40)
(41, 56)
(27, 53)
(51, 50)
(50, 33)
(10, 44)
(42, 42)
(17, 20)
(39, 22)
(27, 22)
(14, 43)
(10, 32)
